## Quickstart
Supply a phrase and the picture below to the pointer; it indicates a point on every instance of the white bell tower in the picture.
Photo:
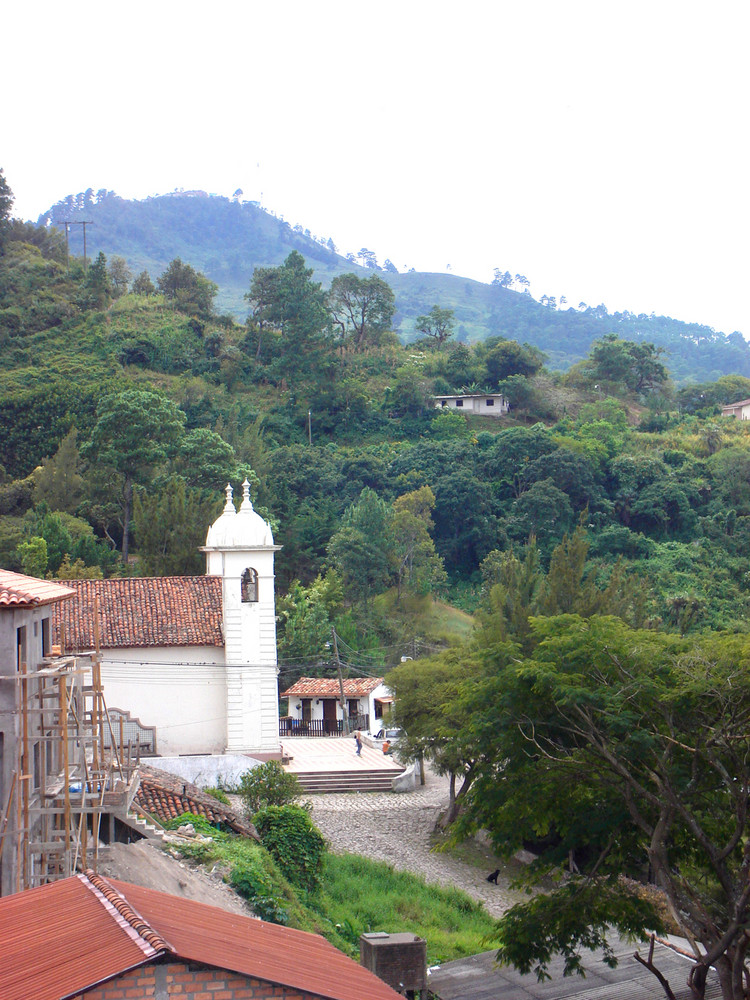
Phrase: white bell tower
(239, 548)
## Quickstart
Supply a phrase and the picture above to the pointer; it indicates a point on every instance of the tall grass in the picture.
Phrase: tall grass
(359, 896)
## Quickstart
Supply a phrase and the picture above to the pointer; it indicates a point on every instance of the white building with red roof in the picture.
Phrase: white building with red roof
(315, 703)
(740, 410)
(193, 656)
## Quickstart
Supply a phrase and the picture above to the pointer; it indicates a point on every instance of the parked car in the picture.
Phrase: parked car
(392, 735)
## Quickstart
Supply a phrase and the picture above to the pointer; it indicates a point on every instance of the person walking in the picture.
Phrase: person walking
(358, 741)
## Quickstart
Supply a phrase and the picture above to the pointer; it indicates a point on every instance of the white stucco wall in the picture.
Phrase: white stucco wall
(180, 689)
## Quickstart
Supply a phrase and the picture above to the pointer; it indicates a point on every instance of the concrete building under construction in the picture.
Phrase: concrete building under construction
(67, 778)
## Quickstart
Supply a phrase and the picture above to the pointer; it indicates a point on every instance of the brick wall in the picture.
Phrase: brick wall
(182, 981)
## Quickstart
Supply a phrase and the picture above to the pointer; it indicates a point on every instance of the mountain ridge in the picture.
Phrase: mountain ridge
(226, 238)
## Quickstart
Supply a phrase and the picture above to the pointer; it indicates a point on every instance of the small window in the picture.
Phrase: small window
(459, 402)
(490, 402)
(443, 402)
(250, 586)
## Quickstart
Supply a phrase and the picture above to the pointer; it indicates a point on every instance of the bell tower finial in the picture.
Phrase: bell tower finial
(246, 502)
(229, 506)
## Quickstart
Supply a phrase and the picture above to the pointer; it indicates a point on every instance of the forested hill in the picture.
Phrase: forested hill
(226, 239)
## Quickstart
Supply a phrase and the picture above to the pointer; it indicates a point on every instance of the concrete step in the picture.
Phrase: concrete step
(322, 782)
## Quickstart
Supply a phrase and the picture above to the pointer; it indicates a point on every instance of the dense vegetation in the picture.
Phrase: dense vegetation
(126, 403)
(227, 239)
(600, 532)
(349, 896)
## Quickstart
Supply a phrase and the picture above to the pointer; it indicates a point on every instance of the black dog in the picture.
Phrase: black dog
(493, 876)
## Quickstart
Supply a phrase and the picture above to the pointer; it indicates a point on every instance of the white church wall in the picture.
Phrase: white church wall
(180, 690)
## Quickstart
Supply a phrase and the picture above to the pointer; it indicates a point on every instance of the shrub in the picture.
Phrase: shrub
(252, 883)
(268, 785)
(295, 843)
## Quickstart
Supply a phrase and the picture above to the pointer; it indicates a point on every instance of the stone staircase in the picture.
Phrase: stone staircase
(322, 782)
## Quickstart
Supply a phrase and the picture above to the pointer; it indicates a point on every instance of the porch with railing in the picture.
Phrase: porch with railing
(289, 726)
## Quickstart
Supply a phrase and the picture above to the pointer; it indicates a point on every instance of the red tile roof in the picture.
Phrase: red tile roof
(328, 687)
(27, 591)
(142, 611)
(166, 797)
(63, 938)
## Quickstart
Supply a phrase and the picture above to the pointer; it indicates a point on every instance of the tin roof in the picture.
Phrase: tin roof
(142, 611)
(63, 938)
(732, 406)
(479, 977)
(27, 591)
(328, 687)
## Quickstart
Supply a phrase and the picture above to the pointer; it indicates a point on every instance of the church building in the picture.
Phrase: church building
(193, 656)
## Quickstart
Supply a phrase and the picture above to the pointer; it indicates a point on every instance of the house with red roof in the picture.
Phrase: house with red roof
(100, 939)
(193, 656)
(740, 410)
(315, 704)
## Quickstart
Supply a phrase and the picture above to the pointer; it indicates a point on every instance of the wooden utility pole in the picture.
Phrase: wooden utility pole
(344, 713)
(67, 223)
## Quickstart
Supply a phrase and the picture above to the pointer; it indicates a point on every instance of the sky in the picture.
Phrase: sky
(599, 148)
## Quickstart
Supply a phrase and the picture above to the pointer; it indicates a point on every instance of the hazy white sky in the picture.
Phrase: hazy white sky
(600, 148)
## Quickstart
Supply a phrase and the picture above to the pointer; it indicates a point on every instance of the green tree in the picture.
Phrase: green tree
(187, 289)
(418, 566)
(632, 365)
(362, 549)
(143, 285)
(504, 358)
(616, 747)
(431, 712)
(135, 432)
(206, 460)
(288, 300)
(6, 207)
(50, 526)
(169, 527)
(33, 556)
(59, 481)
(267, 785)
(97, 286)
(543, 511)
(438, 324)
(362, 308)
(119, 275)
(304, 625)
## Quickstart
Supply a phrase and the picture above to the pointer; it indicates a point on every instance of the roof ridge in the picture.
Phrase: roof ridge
(139, 930)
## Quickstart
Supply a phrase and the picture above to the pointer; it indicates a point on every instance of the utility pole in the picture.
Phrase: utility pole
(309, 427)
(67, 224)
(344, 713)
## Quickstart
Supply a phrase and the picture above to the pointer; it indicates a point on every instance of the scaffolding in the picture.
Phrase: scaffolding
(70, 772)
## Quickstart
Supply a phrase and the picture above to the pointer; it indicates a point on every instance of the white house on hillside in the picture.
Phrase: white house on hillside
(740, 410)
(484, 404)
(193, 656)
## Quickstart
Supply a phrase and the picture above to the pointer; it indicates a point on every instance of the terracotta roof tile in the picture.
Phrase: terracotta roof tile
(28, 591)
(328, 687)
(143, 611)
(166, 797)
